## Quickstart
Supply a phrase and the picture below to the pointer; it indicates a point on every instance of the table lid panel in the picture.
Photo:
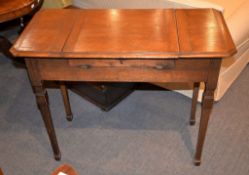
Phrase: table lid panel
(152, 34)
(124, 33)
(203, 33)
(47, 34)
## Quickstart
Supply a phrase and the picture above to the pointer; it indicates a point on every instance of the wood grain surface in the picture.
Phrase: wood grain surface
(113, 33)
(203, 33)
(11, 9)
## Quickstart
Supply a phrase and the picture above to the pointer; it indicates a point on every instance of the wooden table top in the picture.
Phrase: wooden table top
(11, 9)
(112, 33)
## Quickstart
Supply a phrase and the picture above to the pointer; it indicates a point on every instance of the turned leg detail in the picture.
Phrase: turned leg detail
(66, 101)
(42, 102)
(194, 103)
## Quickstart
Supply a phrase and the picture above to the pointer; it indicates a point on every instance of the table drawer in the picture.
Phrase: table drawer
(121, 63)
(180, 70)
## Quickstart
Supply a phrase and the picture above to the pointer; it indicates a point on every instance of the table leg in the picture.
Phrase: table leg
(194, 103)
(43, 104)
(207, 104)
(66, 101)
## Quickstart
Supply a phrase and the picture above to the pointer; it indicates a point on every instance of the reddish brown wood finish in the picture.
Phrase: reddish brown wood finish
(207, 104)
(126, 34)
(90, 30)
(203, 33)
(66, 101)
(183, 71)
(12, 9)
(66, 169)
(194, 103)
(126, 45)
(43, 104)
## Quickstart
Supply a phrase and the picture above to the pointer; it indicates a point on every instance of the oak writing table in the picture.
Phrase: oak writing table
(163, 45)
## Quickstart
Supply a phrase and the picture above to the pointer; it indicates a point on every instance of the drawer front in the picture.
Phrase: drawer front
(137, 64)
(188, 70)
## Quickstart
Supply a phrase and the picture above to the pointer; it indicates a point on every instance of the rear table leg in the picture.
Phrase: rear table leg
(194, 103)
(66, 101)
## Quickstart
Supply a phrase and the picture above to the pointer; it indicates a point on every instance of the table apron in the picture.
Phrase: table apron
(180, 70)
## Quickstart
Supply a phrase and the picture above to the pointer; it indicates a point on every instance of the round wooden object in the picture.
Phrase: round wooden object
(12, 9)
(65, 170)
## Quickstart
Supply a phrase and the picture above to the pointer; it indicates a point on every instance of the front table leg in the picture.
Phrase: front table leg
(43, 104)
(207, 104)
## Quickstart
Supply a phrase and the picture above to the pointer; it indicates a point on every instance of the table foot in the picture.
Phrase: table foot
(69, 118)
(197, 162)
(192, 122)
(57, 156)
